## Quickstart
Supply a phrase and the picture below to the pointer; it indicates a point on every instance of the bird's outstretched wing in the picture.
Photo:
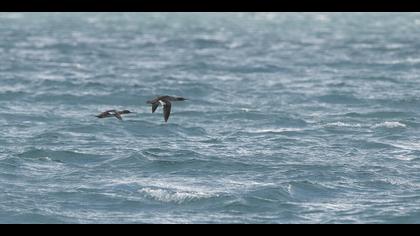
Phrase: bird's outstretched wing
(102, 115)
(170, 98)
(116, 114)
(155, 106)
(166, 110)
(105, 114)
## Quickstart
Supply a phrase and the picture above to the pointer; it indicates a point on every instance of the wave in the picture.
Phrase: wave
(61, 156)
(174, 195)
(209, 43)
(340, 99)
(269, 194)
(366, 144)
(385, 124)
(376, 79)
(66, 84)
(390, 124)
(343, 124)
(409, 61)
(407, 145)
(379, 114)
(275, 130)
(13, 95)
(15, 216)
(309, 190)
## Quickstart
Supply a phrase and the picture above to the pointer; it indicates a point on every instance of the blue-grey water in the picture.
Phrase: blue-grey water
(291, 118)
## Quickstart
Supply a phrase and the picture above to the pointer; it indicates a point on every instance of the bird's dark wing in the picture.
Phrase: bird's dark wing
(166, 110)
(170, 98)
(153, 101)
(103, 114)
(155, 106)
(116, 114)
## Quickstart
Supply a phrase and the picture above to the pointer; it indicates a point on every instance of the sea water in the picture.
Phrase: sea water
(291, 118)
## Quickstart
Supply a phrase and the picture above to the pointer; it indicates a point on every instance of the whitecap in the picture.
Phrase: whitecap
(404, 157)
(276, 130)
(395, 46)
(166, 195)
(408, 145)
(227, 78)
(13, 88)
(410, 60)
(342, 124)
(389, 124)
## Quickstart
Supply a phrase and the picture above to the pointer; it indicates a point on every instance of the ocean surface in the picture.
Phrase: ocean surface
(291, 118)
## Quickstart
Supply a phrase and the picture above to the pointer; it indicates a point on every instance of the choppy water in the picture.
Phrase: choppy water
(292, 118)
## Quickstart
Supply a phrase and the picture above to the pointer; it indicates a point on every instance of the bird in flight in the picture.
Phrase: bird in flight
(111, 113)
(165, 101)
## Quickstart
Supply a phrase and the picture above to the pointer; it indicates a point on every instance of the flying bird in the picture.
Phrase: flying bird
(165, 101)
(111, 113)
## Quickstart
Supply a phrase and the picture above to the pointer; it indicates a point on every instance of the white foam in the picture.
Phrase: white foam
(177, 196)
(171, 190)
(277, 130)
(180, 190)
(227, 78)
(13, 88)
(412, 60)
(342, 124)
(409, 145)
(403, 157)
(390, 124)
(395, 46)
(234, 45)
(409, 60)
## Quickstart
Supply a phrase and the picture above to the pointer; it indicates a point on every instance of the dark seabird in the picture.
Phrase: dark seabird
(111, 113)
(165, 101)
